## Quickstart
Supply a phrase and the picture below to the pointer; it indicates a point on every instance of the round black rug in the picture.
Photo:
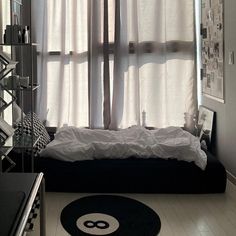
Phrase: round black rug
(109, 215)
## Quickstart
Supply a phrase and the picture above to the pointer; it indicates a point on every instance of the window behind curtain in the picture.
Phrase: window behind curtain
(158, 50)
(62, 33)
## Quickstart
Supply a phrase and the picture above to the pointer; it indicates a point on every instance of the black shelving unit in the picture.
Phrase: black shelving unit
(20, 63)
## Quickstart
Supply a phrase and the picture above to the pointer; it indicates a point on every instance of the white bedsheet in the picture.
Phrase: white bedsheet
(73, 144)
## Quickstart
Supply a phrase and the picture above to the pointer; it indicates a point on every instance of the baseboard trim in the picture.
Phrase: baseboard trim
(231, 177)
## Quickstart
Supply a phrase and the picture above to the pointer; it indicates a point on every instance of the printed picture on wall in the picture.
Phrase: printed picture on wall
(212, 49)
(205, 126)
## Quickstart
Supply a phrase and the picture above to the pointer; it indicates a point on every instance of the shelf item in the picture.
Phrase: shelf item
(4, 58)
(14, 82)
(3, 103)
(8, 64)
(10, 161)
(5, 151)
(16, 34)
(11, 82)
(6, 131)
(26, 35)
(29, 88)
(13, 32)
(17, 82)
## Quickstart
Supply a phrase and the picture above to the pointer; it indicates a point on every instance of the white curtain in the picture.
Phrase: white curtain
(61, 31)
(109, 63)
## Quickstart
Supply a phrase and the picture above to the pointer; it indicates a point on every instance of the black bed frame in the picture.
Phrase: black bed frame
(153, 175)
(132, 175)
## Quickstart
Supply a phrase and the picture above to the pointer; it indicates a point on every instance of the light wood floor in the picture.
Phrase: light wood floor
(181, 215)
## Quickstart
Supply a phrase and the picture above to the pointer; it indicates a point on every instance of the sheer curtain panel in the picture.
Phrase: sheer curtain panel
(62, 33)
(114, 63)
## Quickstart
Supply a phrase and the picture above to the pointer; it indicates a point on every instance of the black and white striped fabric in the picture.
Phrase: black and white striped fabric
(24, 133)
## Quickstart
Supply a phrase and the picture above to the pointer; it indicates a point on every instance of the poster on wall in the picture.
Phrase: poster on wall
(213, 49)
(205, 127)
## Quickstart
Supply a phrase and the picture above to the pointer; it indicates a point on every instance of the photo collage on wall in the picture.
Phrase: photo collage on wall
(213, 49)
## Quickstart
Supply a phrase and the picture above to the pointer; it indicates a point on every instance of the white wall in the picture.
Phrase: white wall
(226, 113)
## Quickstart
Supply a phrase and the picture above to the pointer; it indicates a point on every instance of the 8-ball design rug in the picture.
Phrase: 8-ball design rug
(109, 215)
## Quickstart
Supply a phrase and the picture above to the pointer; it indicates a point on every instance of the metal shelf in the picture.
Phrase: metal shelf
(24, 54)
(30, 88)
(21, 142)
(17, 142)
(5, 104)
(21, 88)
(19, 44)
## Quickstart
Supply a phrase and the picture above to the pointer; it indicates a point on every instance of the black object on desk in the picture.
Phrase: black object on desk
(17, 194)
(10, 204)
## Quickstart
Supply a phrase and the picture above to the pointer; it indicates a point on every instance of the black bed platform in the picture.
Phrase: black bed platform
(153, 175)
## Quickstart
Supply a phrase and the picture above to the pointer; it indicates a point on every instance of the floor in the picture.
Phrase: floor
(181, 215)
